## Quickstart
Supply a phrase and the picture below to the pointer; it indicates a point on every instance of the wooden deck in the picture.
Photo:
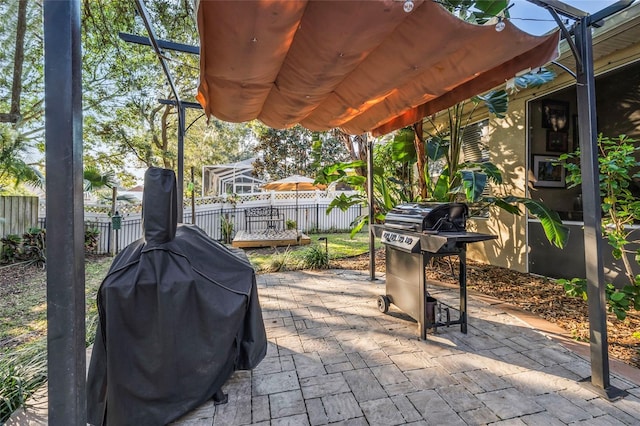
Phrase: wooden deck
(269, 238)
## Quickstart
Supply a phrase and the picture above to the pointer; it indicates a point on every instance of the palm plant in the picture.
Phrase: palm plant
(96, 181)
(13, 168)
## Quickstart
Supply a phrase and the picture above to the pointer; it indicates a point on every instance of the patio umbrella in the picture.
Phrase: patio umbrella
(294, 183)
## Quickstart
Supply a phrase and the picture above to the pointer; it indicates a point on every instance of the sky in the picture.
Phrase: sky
(537, 20)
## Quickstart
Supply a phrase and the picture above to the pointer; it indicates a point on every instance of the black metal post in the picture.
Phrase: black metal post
(372, 236)
(193, 196)
(66, 352)
(582, 50)
(586, 96)
(180, 174)
(462, 279)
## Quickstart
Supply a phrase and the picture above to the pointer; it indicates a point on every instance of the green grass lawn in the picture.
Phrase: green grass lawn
(23, 330)
(293, 257)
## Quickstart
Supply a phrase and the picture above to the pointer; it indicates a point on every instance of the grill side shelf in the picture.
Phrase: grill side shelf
(451, 241)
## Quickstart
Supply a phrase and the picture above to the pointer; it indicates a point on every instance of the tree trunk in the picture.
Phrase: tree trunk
(421, 164)
(18, 60)
(165, 138)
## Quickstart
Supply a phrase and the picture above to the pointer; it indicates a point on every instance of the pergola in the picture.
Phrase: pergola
(362, 66)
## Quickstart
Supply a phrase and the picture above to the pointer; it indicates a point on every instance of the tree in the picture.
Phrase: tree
(283, 153)
(21, 92)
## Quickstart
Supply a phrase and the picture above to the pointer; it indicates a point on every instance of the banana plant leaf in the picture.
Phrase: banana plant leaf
(491, 170)
(338, 171)
(437, 148)
(473, 184)
(496, 101)
(534, 79)
(402, 148)
(557, 233)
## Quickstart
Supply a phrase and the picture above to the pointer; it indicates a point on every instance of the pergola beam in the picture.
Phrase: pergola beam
(162, 44)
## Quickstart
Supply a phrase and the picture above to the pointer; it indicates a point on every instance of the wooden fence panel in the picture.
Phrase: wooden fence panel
(17, 214)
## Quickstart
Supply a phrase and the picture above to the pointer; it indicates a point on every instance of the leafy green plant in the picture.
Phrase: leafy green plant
(315, 257)
(280, 262)
(34, 246)
(387, 191)
(91, 238)
(21, 373)
(10, 248)
(620, 208)
(291, 224)
(28, 248)
(226, 227)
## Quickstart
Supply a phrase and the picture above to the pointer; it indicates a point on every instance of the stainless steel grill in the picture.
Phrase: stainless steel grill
(413, 234)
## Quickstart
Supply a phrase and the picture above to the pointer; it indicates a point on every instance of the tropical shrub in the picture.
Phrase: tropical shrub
(34, 246)
(226, 228)
(620, 208)
(10, 248)
(21, 374)
(91, 238)
(28, 248)
(315, 257)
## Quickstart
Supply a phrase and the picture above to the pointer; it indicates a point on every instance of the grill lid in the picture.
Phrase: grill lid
(437, 217)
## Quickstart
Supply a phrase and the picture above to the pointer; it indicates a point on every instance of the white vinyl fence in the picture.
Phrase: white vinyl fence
(311, 218)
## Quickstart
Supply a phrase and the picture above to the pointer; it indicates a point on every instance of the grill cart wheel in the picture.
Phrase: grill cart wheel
(383, 304)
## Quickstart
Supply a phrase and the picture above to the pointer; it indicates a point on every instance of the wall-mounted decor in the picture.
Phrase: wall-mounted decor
(555, 115)
(548, 171)
(557, 141)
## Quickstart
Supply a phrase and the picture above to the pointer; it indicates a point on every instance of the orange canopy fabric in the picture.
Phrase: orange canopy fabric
(361, 66)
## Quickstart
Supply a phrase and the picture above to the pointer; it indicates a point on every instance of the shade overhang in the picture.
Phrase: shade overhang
(361, 66)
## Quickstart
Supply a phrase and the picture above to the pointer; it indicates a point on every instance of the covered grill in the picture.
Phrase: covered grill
(413, 234)
(178, 314)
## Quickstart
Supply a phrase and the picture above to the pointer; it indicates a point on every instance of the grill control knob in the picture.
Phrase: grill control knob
(408, 240)
(401, 239)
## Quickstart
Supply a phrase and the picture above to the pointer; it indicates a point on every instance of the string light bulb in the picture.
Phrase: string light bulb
(407, 6)
(500, 24)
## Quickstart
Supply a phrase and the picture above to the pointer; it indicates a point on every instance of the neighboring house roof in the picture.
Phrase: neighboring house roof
(215, 176)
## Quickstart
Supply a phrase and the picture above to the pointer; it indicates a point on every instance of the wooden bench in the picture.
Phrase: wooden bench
(268, 215)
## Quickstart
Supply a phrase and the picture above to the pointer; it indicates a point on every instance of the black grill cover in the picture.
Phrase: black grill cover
(178, 313)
